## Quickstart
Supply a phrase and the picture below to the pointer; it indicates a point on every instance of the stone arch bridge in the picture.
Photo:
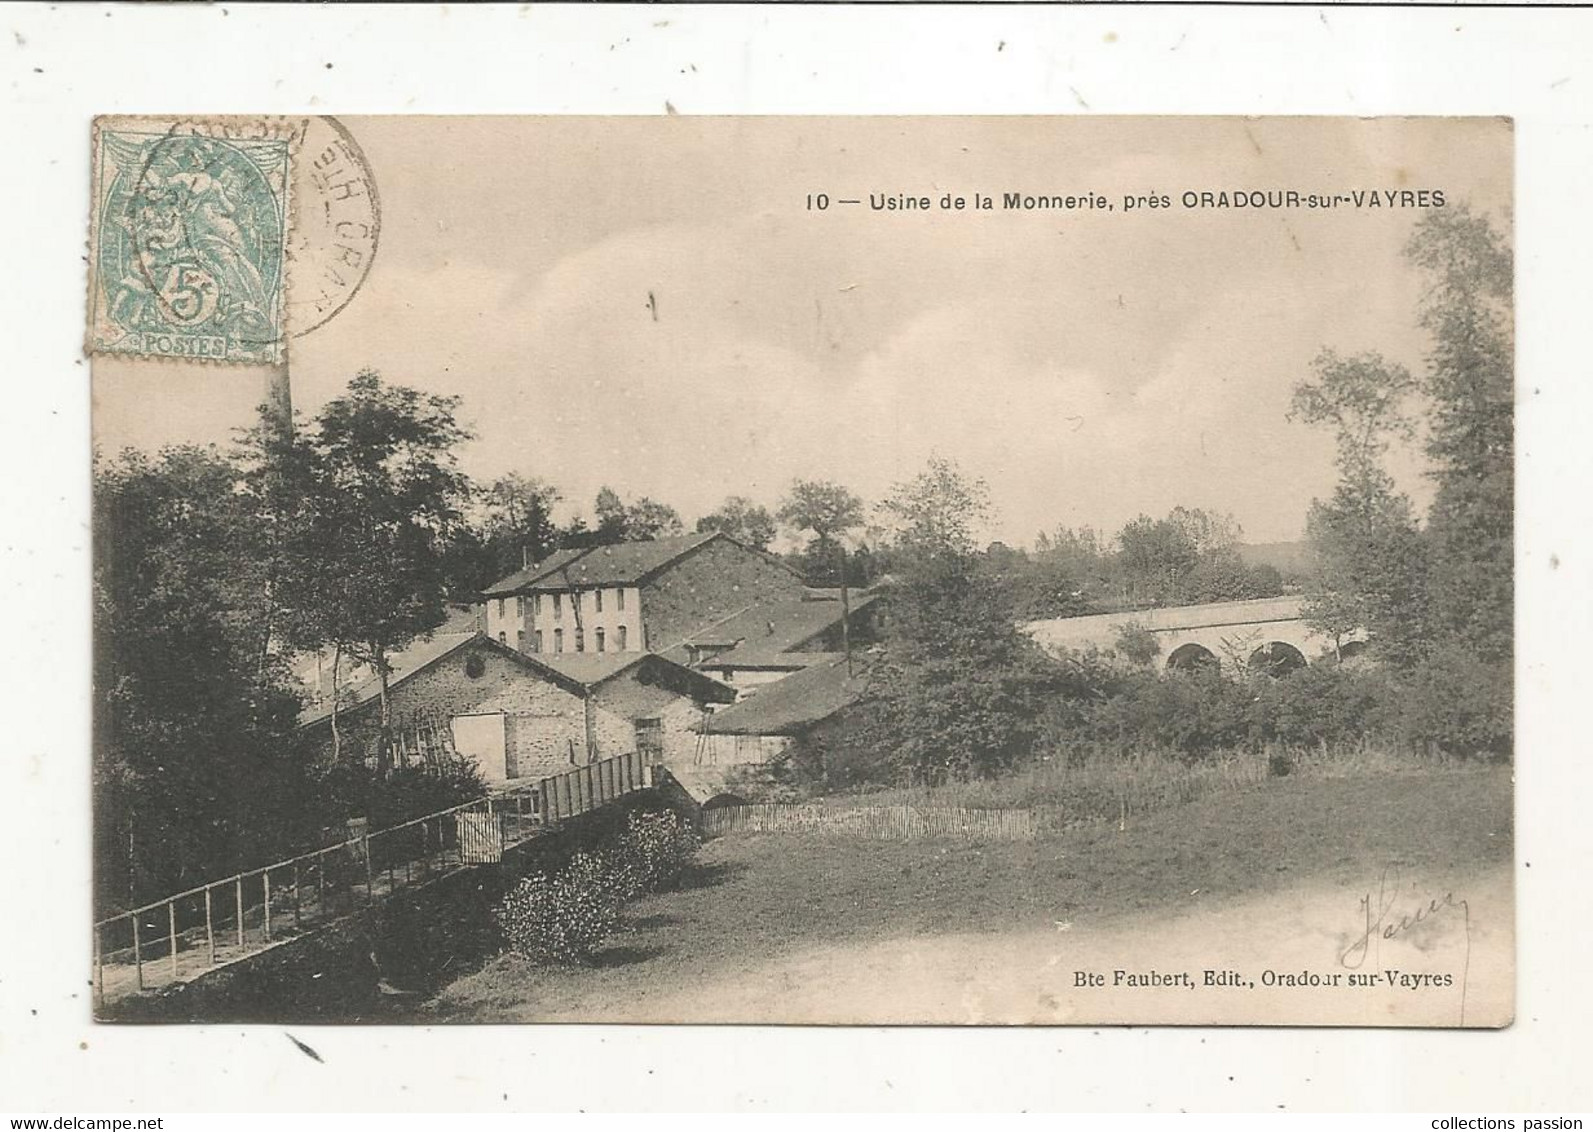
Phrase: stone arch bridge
(1267, 633)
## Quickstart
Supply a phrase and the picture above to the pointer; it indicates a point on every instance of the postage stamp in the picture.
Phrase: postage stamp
(188, 238)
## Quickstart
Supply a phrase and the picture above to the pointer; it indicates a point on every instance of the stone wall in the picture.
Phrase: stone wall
(625, 699)
(543, 717)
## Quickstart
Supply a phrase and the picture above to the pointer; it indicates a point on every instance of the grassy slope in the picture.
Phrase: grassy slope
(756, 897)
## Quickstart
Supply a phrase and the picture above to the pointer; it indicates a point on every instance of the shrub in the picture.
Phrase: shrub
(652, 852)
(563, 918)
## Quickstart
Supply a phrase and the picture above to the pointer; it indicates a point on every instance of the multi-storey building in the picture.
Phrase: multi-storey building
(632, 596)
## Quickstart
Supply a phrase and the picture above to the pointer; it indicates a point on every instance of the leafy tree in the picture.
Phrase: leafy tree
(197, 769)
(1156, 557)
(827, 509)
(649, 519)
(386, 495)
(742, 520)
(1137, 644)
(1470, 383)
(938, 515)
(518, 521)
(610, 511)
(957, 692)
(1368, 552)
(645, 519)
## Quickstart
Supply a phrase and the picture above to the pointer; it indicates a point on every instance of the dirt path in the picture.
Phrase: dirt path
(1032, 977)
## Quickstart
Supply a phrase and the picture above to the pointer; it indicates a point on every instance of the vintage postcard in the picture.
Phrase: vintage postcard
(803, 570)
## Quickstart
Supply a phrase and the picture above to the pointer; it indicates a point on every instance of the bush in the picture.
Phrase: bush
(652, 852)
(566, 917)
(563, 918)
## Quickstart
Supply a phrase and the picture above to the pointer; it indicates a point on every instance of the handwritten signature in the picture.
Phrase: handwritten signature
(1382, 924)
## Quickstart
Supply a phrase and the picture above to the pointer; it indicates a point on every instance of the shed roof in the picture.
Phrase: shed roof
(792, 705)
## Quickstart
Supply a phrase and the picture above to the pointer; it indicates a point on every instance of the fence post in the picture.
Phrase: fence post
(370, 890)
(295, 893)
(210, 929)
(320, 881)
(265, 887)
(138, 953)
(238, 891)
(171, 929)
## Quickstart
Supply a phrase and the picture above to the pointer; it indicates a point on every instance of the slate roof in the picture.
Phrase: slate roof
(576, 671)
(620, 564)
(769, 635)
(791, 705)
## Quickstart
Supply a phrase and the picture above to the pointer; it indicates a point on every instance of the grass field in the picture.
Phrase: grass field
(755, 898)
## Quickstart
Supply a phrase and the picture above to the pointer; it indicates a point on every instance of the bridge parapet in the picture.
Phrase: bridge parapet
(1270, 631)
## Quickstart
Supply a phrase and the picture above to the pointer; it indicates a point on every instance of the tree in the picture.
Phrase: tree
(742, 520)
(939, 514)
(386, 496)
(518, 521)
(1370, 562)
(636, 522)
(1155, 556)
(1470, 383)
(829, 511)
(649, 519)
(197, 767)
(959, 689)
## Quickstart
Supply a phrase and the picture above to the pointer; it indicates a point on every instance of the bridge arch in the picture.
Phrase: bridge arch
(1191, 657)
(1277, 658)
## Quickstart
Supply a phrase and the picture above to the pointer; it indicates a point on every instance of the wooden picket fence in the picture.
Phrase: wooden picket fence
(879, 823)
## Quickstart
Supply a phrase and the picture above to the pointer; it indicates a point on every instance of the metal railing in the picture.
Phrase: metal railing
(187, 933)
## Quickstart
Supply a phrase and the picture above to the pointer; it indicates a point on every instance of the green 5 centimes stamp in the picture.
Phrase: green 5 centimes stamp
(188, 238)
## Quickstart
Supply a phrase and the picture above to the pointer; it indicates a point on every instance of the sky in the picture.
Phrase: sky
(648, 303)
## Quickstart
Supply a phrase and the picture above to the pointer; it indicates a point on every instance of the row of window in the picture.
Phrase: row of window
(558, 603)
(621, 639)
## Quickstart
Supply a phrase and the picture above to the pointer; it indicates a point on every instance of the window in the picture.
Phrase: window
(650, 739)
(519, 639)
(519, 606)
(622, 597)
(580, 640)
(600, 640)
(598, 597)
(623, 633)
(558, 606)
(500, 608)
(536, 641)
(558, 640)
(503, 638)
(536, 605)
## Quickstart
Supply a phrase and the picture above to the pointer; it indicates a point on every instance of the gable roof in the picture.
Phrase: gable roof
(618, 564)
(403, 664)
(577, 673)
(793, 704)
(591, 669)
(768, 633)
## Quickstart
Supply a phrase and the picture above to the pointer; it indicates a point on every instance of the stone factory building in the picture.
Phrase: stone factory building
(520, 717)
(632, 597)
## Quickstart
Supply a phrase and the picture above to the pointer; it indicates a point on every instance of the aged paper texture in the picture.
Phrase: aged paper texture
(804, 570)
